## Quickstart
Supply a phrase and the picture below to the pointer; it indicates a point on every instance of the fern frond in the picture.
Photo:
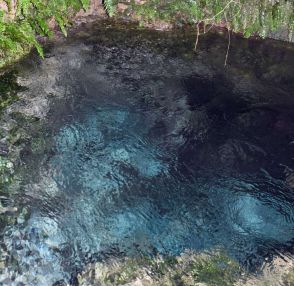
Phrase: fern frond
(109, 7)
(85, 4)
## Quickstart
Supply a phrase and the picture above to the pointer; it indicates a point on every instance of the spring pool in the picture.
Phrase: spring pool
(151, 149)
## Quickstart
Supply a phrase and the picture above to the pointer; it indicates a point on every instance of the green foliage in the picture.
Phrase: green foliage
(20, 27)
(249, 17)
(110, 7)
(174, 10)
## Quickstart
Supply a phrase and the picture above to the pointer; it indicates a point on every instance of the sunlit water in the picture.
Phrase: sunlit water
(149, 154)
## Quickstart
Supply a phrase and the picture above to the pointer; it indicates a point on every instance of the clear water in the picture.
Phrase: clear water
(153, 152)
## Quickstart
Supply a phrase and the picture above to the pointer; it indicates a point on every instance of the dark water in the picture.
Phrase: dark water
(153, 149)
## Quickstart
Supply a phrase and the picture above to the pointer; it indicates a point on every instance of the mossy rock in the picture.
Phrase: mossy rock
(8, 89)
(288, 278)
(6, 171)
(188, 269)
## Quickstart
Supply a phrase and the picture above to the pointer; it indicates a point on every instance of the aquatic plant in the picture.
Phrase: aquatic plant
(188, 269)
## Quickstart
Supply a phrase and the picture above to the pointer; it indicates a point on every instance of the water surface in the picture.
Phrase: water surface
(151, 148)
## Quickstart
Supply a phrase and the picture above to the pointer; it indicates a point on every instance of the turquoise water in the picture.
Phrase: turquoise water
(141, 161)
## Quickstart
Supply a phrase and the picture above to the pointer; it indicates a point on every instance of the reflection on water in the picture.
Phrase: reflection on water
(144, 162)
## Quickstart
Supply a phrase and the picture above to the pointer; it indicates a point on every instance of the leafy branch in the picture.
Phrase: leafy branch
(22, 24)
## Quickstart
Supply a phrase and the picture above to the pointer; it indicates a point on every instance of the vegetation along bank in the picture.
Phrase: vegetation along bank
(24, 22)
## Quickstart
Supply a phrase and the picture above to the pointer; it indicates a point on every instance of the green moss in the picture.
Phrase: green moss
(8, 89)
(6, 220)
(6, 172)
(27, 130)
(38, 145)
(288, 279)
(214, 269)
(219, 270)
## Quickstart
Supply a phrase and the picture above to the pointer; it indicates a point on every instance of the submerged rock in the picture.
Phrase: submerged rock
(188, 269)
